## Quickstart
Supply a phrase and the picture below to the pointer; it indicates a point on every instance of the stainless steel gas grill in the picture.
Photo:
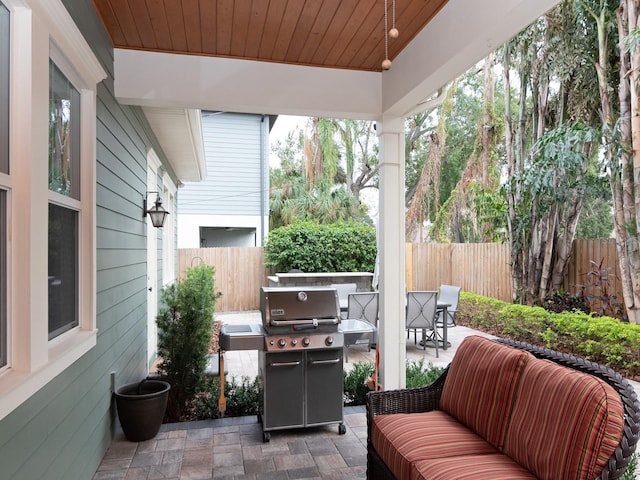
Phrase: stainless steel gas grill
(301, 363)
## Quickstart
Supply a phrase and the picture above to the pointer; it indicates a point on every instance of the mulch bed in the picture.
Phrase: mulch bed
(213, 346)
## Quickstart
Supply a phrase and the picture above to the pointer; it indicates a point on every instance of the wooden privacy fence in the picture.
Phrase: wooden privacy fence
(239, 274)
(586, 251)
(483, 268)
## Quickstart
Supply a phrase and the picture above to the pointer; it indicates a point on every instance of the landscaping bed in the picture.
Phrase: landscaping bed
(603, 340)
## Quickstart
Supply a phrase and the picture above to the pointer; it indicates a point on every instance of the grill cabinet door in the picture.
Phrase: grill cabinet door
(283, 390)
(324, 386)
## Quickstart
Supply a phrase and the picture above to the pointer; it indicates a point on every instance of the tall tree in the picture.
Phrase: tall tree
(358, 145)
(424, 199)
(621, 132)
(463, 220)
(311, 183)
(549, 146)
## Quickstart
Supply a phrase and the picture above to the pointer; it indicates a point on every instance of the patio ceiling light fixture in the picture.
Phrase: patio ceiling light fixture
(156, 212)
(393, 33)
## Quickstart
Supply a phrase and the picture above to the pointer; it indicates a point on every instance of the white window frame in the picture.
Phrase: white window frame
(169, 231)
(41, 30)
(5, 185)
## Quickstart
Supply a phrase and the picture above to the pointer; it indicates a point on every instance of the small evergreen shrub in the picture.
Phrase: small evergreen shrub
(523, 322)
(185, 325)
(479, 312)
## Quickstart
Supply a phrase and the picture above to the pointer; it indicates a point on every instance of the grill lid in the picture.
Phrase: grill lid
(299, 305)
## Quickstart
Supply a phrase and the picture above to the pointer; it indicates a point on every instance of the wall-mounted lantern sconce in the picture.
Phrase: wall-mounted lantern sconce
(156, 212)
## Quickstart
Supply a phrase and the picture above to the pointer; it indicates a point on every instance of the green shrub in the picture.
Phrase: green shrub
(355, 381)
(630, 471)
(242, 398)
(603, 340)
(185, 324)
(563, 301)
(311, 247)
(205, 403)
(419, 375)
(522, 322)
(479, 312)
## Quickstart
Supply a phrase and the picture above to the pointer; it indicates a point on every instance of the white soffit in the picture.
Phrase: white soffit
(244, 86)
(179, 132)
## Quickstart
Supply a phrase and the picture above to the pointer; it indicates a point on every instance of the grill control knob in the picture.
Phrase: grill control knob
(282, 343)
(294, 341)
(306, 341)
(329, 340)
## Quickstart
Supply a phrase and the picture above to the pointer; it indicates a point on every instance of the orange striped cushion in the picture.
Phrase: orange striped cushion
(481, 384)
(401, 439)
(470, 467)
(565, 424)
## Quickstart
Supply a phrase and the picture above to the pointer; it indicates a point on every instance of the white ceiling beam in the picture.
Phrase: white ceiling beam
(244, 86)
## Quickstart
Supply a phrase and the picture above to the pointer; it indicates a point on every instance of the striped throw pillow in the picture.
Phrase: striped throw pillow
(565, 424)
(481, 384)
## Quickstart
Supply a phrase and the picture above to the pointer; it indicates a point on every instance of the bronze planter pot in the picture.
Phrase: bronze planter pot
(141, 408)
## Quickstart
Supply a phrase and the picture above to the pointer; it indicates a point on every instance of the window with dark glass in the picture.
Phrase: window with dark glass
(63, 270)
(3, 279)
(64, 179)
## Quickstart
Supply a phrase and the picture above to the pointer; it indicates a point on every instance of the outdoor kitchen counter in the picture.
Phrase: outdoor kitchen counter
(363, 280)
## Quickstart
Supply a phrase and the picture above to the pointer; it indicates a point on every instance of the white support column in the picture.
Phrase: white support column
(392, 254)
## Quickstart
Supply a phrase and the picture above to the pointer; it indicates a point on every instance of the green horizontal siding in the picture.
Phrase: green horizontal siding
(63, 431)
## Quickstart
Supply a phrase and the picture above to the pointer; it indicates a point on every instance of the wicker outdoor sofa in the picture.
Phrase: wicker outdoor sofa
(505, 410)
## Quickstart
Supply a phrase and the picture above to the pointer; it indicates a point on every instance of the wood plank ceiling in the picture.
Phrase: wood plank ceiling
(345, 34)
